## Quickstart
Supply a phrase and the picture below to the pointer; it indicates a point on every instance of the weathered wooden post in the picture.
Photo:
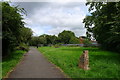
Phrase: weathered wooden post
(84, 60)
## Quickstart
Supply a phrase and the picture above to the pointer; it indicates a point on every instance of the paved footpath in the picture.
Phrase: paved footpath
(34, 65)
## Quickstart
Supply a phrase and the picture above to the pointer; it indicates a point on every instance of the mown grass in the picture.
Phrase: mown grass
(103, 64)
(11, 61)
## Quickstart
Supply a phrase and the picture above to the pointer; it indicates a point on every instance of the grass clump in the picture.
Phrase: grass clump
(11, 61)
(103, 64)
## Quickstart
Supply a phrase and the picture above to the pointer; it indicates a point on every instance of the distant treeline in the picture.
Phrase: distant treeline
(65, 37)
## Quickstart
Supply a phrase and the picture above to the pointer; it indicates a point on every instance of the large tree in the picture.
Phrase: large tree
(66, 37)
(51, 39)
(12, 23)
(74, 40)
(104, 23)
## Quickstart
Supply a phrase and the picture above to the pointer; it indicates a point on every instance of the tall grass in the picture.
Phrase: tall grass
(10, 61)
(103, 64)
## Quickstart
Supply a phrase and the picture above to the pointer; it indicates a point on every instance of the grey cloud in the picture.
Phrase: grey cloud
(30, 7)
(59, 16)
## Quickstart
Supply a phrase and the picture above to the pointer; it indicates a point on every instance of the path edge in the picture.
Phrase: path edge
(20, 61)
(65, 75)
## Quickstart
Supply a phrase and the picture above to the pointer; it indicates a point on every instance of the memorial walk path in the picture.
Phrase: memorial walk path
(34, 65)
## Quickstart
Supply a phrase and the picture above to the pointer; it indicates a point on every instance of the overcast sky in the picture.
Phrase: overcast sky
(54, 17)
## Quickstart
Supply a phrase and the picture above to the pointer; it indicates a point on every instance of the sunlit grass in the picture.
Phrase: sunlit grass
(10, 62)
(103, 64)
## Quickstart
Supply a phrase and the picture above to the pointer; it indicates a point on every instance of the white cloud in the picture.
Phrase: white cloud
(54, 18)
(60, 1)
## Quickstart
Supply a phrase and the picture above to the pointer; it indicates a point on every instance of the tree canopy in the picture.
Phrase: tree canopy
(67, 37)
(13, 29)
(104, 23)
(44, 39)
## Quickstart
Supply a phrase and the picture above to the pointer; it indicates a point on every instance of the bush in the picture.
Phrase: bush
(23, 47)
(56, 45)
(87, 43)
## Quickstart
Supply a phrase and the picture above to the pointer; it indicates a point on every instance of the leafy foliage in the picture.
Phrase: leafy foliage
(23, 47)
(67, 37)
(51, 39)
(34, 41)
(56, 45)
(25, 35)
(43, 39)
(87, 42)
(74, 40)
(104, 23)
(13, 28)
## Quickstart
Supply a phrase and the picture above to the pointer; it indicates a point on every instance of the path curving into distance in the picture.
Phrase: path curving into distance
(34, 65)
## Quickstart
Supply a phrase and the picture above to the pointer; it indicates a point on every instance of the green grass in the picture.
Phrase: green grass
(11, 61)
(103, 64)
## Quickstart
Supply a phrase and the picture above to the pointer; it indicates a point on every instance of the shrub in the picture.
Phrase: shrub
(87, 43)
(23, 47)
(56, 45)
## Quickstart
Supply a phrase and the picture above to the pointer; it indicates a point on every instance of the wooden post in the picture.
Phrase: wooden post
(84, 60)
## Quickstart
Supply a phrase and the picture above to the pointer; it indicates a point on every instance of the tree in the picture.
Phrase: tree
(54, 39)
(51, 39)
(34, 41)
(12, 23)
(65, 36)
(74, 40)
(87, 42)
(25, 35)
(42, 40)
(104, 23)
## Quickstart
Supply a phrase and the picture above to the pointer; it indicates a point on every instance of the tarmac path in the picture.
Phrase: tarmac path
(34, 65)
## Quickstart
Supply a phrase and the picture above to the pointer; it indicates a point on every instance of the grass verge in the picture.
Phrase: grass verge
(103, 64)
(11, 61)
